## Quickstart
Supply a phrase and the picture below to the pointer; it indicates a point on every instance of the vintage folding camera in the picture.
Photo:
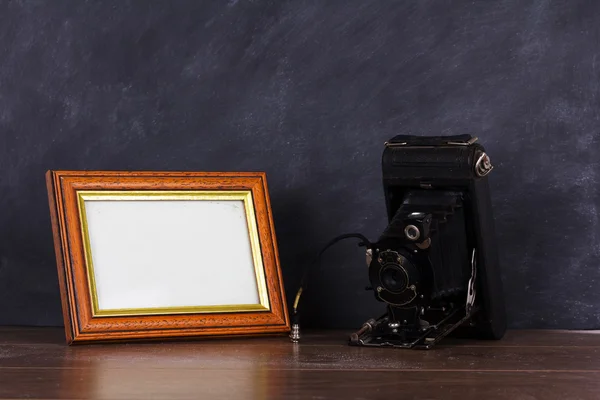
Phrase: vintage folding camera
(435, 264)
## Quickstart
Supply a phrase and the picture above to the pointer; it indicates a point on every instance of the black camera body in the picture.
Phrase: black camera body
(436, 263)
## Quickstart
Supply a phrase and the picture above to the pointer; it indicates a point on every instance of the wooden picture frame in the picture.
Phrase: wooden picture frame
(160, 255)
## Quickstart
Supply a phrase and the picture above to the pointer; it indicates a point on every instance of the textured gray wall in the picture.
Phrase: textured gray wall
(308, 91)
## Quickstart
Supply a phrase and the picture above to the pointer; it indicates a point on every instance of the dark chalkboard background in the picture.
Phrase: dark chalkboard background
(308, 91)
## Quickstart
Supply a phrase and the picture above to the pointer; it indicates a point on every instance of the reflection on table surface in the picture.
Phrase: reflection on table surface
(525, 365)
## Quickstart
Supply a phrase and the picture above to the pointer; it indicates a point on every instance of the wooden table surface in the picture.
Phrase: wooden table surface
(35, 363)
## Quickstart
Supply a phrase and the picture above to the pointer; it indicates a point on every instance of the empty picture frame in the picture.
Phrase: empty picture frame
(158, 255)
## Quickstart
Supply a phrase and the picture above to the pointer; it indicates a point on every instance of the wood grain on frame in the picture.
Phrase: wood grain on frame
(81, 326)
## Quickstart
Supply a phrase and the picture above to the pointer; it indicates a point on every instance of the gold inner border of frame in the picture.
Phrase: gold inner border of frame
(173, 195)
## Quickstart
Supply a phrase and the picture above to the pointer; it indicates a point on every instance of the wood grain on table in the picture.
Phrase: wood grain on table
(35, 363)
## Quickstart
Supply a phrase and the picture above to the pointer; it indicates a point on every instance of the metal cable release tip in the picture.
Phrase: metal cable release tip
(295, 333)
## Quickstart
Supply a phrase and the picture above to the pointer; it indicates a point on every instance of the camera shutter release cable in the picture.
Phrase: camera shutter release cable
(295, 333)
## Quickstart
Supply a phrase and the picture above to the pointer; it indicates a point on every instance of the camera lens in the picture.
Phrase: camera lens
(394, 278)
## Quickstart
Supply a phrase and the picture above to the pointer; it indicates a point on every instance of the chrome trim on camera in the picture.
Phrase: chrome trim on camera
(410, 236)
(449, 143)
(390, 144)
(471, 291)
(483, 166)
(369, 256)
(467, 143)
